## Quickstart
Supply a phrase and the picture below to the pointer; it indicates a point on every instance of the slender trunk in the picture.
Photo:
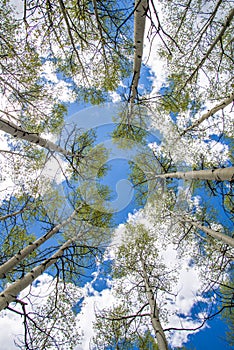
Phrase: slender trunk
(19, 133)
(220, 174)
(154, 313)
(215, 234)
(72, 40)
(141, 8)
(23, 253)
(209, 113)
(10, 293)
(102, 40)
(216, 41)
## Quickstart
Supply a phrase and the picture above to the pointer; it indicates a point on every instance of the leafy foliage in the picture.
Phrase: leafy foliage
(53, 53)
(196, 36)
(228, 305)
(52, 323)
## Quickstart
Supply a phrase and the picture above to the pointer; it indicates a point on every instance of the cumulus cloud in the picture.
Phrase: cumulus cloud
(185, 294)
(115, 96)
(86, 317)
(150, 55)
(11, 327)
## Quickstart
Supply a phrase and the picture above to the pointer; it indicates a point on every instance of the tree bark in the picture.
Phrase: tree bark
(215, 234)
(220, 174)
(217, 39)
(4, 217)
(209, 113)
(19, 133)
(154, 313)
(23, 253)
(10, 293)
(141, 8)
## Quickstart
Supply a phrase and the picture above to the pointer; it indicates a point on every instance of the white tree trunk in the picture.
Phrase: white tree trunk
(141, 8)
(10, 293)
(23, 253)
(19, 133)
(220, 174)
(213, 110)
(154, 314)
(215, 234)
(218, 39)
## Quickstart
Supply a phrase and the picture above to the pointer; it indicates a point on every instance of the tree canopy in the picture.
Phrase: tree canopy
(169, 65)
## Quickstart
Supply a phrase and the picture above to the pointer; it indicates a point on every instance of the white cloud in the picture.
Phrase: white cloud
(36, 297)
(60, 89)
(115, 96)
(87, 316)
(19, 8)
(150, 55)
(185, 294)
(11, 326)
(48, 72)
(179, 338)
(189, 286)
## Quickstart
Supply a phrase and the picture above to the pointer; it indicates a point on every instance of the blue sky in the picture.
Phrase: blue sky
(100, 117)
(210, 338)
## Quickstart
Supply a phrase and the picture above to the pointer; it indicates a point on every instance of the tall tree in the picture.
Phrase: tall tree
(209, 113)
(25, 252)
(95, 56)
(144, 280)
(220, 174)
(10, 293)
(89, 43)
(179, 104)
(34, 138)
(23, 93)
(134, 262)
(191, 56)
(140, 13)
(215, 234)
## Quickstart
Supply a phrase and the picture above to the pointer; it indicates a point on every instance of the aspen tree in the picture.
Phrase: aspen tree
(140, 13)
(23, 253)
(209, 113)
(221, 174)
(11, 292)
(215, 234)
(145, 277)
(19, 133)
